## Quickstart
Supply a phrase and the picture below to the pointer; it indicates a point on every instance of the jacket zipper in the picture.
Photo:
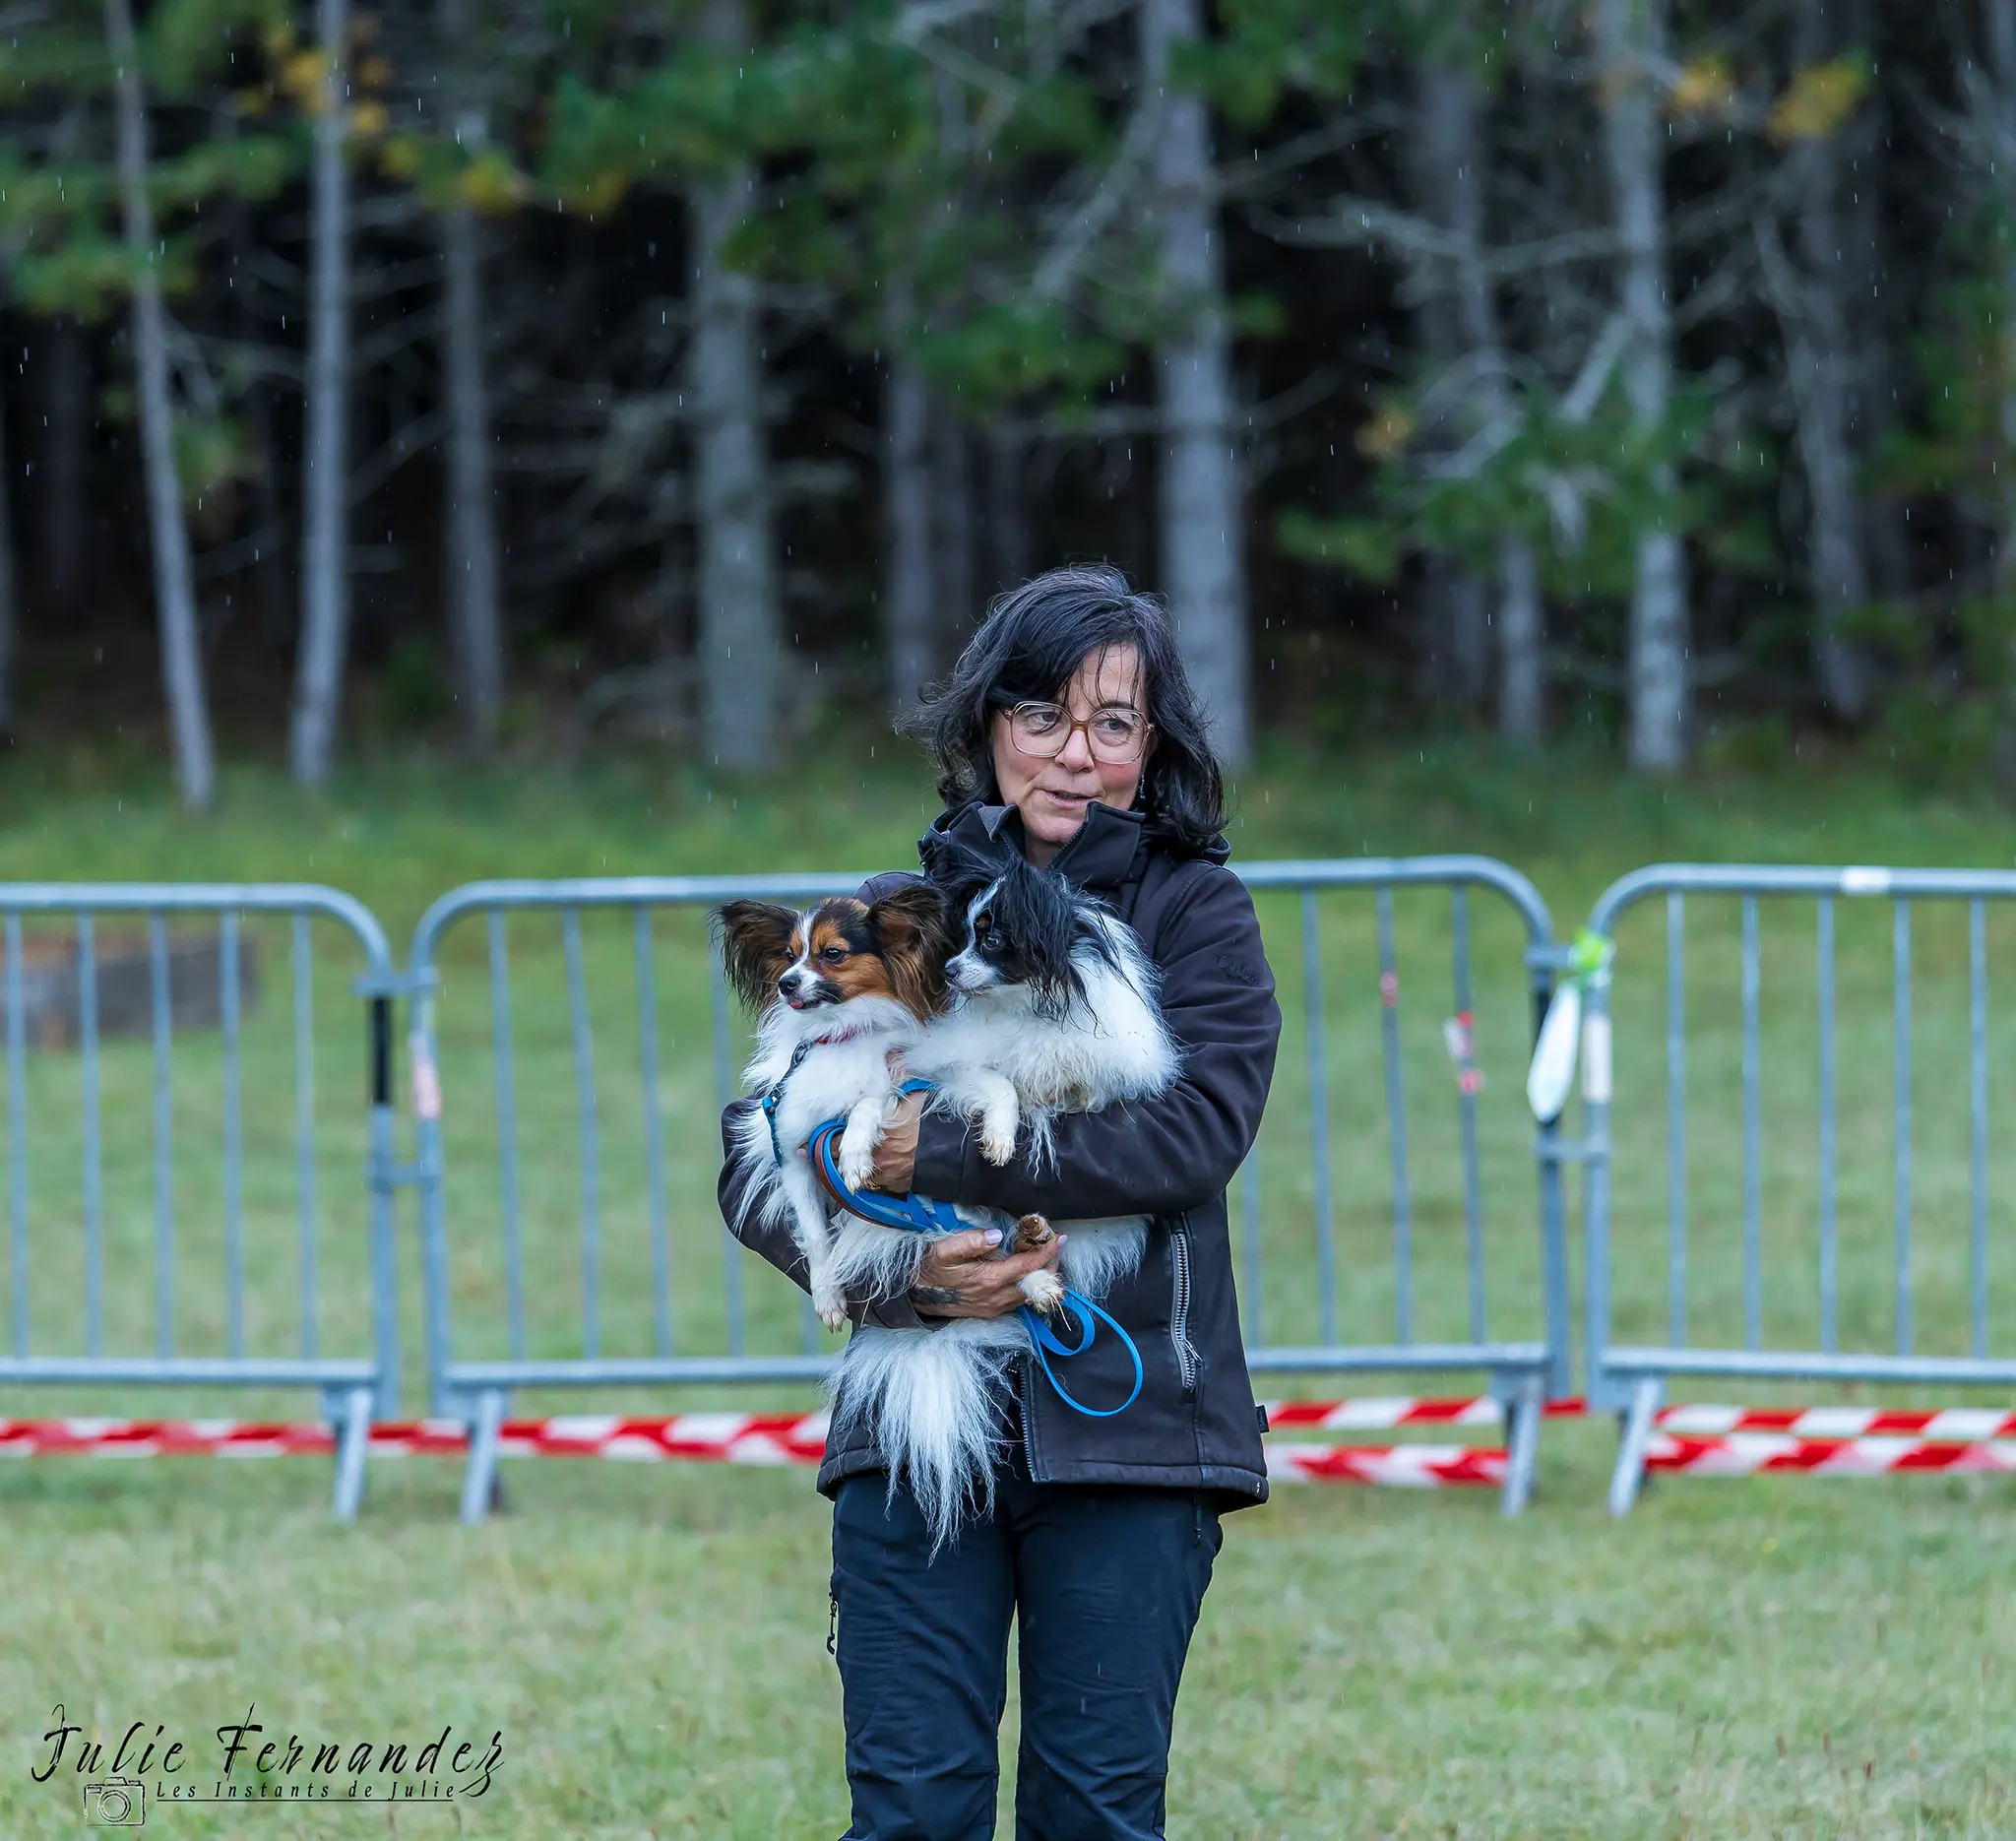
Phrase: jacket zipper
(1023, 1413)
(1179, 1306)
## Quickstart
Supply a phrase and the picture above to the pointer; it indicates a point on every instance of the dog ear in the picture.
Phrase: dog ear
(911, 919)
(755, 941)
(961, 870)
(1039, 911)
(911, 928)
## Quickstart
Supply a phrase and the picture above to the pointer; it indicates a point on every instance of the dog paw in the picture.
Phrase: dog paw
(857, 1164)
(1032, 1232)
(1043, 1289)
(997, 1139)
(831, 1308)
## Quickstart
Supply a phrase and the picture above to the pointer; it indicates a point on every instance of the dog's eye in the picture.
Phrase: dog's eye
(990, 941)
(833, 955)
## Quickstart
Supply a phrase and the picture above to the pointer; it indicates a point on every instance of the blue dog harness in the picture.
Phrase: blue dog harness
(921, 1214)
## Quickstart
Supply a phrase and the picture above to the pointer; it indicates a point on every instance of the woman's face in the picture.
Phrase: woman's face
(1053, 795)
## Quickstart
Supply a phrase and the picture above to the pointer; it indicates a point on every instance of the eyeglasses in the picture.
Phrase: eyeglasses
(1116, 734)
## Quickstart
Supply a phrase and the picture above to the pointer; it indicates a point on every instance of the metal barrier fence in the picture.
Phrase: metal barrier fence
(620, 1242)
(139, 1204)
(1823, 1288)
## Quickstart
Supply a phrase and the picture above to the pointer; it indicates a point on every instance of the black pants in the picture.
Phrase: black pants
(1106, 1583)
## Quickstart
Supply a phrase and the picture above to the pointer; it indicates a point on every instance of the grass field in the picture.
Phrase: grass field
(1792, 1658)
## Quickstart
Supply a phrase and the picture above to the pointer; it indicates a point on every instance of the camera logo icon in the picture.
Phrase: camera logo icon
(115, 1803)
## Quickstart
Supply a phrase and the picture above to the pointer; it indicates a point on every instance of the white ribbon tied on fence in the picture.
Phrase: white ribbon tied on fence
(1551, 1077)
(1566, 1036)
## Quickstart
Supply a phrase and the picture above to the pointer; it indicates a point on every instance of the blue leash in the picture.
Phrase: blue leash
(920, 1213)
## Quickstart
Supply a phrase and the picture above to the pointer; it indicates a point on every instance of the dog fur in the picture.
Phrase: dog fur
(1053, 1009)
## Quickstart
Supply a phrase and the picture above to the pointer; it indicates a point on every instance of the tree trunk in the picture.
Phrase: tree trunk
(475, 625)
(325, 459)
(1007, 520)
(1444, 183)
(2001, 37)
(174, 581)
(1522, 642)
(1823, 395)
(1630, 37)
(10, 584)
(953, 571)
(1886, 547)
(1202, 548)
(741, 613)
(67, 451)
(278, 610)
(908, 625)
(1451, 161)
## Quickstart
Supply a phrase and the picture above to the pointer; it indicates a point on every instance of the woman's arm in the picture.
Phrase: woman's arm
(961, 1276)
(1156, 1156)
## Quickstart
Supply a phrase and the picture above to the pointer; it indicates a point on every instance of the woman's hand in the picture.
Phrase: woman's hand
(895, 1152)
(965, 1276)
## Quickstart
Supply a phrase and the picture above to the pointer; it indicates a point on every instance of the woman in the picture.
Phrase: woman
(1068, 732)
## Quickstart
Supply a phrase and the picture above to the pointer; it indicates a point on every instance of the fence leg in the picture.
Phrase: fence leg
(353, 1447)
(1522, 1445)
(479, 1479)
(1630, 1471)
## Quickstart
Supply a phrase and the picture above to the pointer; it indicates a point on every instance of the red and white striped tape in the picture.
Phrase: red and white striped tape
(694, 1437)
(769, 1439)
(151, 1437)
(1838, 1422)
(1397, 1465)
(718, 1437)
(1373, 1414)
(1376, 1414)
(1764, 1453)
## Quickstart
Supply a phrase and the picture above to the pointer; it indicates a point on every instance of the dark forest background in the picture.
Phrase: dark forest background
(547, 374)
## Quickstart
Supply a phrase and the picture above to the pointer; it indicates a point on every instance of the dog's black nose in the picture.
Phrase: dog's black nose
(791, 983)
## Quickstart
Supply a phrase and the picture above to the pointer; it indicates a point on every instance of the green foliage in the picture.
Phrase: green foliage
(1273, 47)
(87, 274)
(211, 452)
(1580, 493)
(903, 172)
(414, 689)
(1954, 708)
(695, 115)
(184, 40)
(60, 214)
(1967, 370)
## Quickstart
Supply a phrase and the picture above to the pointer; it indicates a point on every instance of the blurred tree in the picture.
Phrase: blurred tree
(1452, 157)
(1811, 300)
(175, 583)
(1630, 47)
(1031, 280)
(67, 413)
(742, 613)
(911, 612)
(325, 447)
(10, 582)
(1203, 523)
(470, 565)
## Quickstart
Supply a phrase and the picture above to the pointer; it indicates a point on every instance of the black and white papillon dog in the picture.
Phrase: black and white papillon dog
(1051, 1008)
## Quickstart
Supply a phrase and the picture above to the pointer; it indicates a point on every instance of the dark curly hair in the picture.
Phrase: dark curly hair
(1029, 647)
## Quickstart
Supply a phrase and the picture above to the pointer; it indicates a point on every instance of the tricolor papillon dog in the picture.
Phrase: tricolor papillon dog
(1051, 1008)
(839, 989)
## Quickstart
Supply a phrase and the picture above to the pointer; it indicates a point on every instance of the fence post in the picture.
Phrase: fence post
(1552, 1211)
(1596, 1201)
(384, 1175)
(426, 1086)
